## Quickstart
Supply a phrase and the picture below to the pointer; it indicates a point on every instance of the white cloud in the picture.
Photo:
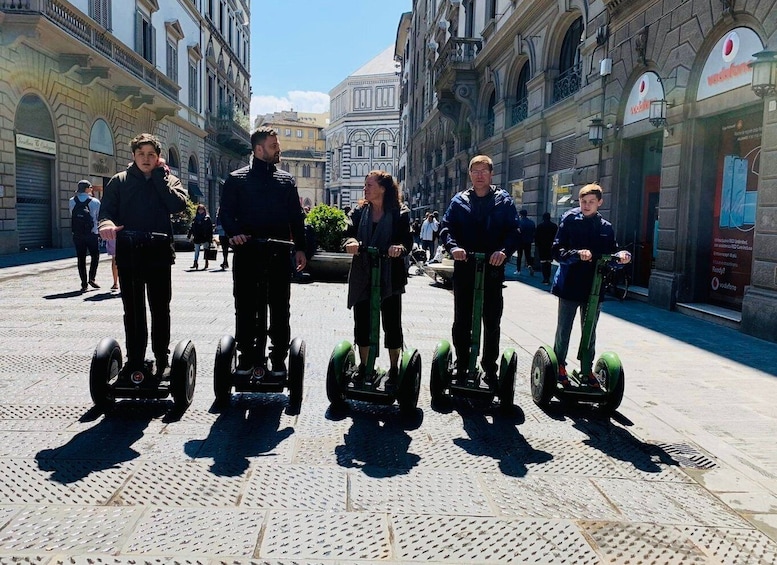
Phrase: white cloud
(298, 100)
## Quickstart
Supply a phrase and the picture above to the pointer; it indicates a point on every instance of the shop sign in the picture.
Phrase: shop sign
(647, 89)
(727, 67)
(734, 211)
(36, 144)
(101, 165)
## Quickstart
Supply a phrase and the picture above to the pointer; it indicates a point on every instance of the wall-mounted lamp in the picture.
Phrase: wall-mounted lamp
(596, 132)
(657, 112)
(764, 73)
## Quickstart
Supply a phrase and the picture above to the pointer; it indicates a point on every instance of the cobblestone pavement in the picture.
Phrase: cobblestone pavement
(683, 473)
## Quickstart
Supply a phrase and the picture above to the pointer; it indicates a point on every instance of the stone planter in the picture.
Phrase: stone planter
(329, 266)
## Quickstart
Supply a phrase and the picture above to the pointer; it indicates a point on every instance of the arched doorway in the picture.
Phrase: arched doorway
(36, 151)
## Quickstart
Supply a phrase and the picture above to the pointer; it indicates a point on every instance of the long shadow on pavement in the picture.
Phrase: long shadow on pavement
(103, 446)
(248, 427)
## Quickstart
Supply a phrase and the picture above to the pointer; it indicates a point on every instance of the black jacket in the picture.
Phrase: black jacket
(262, 201)
(141, 204)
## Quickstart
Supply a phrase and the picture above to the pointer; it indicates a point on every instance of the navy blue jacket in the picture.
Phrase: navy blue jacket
(262, 200)
(574, 277)
(483, 225)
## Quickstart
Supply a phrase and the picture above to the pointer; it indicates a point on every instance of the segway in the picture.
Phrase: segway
(608, 369)
(343, 379)
(226, 375)
(107, 382)
(470, 382)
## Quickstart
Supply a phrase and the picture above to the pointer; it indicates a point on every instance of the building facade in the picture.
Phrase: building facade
(364, 128)
(79, 79)
(303, 150)
(651, 99)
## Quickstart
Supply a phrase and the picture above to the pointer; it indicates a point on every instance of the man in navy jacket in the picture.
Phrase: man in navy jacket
(583, 234)
(481, 219)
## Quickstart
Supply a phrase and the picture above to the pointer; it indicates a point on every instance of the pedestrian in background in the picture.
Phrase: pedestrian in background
(201, 234)
(141, 201)
(223, 240)
(84, 211)
(480, 219)
(543, 242)
(428, 229)
(527, 228)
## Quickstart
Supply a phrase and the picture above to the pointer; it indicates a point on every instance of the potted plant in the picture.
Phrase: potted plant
(329, 261)
(182, 221)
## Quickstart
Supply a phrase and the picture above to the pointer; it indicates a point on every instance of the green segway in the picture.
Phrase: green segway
(445, 381)
(608, 369)
(343, 380)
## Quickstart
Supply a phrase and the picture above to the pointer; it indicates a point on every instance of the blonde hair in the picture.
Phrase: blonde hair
(477, 159)
(592, 188)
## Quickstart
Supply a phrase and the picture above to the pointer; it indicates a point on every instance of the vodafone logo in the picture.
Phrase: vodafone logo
(643, 87)
(730, 47)
(715, 283)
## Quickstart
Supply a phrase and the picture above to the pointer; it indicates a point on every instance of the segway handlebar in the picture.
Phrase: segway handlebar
(269, 241)
(148, 236)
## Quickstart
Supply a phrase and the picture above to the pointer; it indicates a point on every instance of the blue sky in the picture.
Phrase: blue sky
(301, 49)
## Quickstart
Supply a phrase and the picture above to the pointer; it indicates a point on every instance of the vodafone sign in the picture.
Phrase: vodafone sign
(647, 88)
(726, 67)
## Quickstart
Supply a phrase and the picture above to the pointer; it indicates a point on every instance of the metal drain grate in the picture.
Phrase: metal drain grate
(683, 454)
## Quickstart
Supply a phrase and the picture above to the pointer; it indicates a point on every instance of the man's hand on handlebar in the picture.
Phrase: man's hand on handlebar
(585, 254)
(497, 258)
(459, 254)
(239, 239)
(395, 250)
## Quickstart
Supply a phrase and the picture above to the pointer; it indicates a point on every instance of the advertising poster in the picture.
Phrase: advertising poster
(736, 197)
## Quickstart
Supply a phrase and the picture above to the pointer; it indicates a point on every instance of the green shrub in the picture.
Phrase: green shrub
(329, 223)
(183, 220)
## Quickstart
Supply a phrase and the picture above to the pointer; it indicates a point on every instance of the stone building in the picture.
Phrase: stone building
(80, 78)
(303, 150)
(363, 132)
(653, 99)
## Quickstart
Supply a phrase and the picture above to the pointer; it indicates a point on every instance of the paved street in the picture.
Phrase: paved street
(685, 472)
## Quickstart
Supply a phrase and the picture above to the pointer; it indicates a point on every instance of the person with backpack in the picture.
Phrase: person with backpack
(84, 210)
(201, 233)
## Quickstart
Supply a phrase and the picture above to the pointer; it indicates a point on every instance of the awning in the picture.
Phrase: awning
(194, 189)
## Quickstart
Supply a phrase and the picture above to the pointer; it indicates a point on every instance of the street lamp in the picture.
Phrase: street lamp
(764, 73)
(596, 132)
(657, 115)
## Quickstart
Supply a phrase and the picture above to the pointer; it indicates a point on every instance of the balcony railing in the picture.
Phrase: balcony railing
(567, 83)
(456, 52)
(91, 34)
(519, 111)
(488, 130)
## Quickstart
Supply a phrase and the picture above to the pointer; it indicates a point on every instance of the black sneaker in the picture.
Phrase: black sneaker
(161, 366)
(490, 380)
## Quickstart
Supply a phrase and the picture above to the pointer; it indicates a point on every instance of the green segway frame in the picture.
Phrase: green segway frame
(343, 381)
(608, 369)
(445, 382)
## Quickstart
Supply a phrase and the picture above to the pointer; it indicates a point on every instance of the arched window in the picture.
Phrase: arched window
(383, 149)
(569, 77)
(172, 160)
(521, 107)
(490, 116)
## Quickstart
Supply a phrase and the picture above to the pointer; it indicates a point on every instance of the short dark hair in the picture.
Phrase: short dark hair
(523, 212)
(262, 133)
(146, 139)
(546, 216)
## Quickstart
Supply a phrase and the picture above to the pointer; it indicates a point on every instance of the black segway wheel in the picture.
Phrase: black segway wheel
(296, 371)
(103, 373)
(183, 374)
(543, 377)
(410, 387)
(223, 368)
(610, 371)
(507, 369)
(341, 362)
(442, 369)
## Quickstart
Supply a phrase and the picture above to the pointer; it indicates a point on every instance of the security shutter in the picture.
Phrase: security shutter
(515, 166)
(33, 201)
(562, 155)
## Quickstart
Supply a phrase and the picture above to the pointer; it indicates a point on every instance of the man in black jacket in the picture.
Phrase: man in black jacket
(140, 200)
(261, 202)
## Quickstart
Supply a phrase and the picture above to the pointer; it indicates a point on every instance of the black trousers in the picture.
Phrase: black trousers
(261, 282)
(146, 276)
(391, 316)
(525, 249)
(493, 305)
(87, 244)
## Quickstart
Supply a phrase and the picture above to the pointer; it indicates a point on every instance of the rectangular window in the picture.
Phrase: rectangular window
(100, 11)
(194, 86)
(359, 151)
(221, 18)
(145, 37)
(211, 93)
(172, 61)
(210, 9)
(287, 133)
(299, 133)
(310, 134)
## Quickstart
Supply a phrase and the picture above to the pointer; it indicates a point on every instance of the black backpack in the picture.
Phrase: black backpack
(81, 222)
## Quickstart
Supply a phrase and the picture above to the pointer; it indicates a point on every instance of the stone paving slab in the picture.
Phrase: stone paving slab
(667, 480)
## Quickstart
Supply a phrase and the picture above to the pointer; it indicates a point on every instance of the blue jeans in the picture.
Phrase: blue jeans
(567, 309)
(197, 246)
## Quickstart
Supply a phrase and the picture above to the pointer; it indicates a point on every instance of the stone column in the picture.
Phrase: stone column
(759, 305)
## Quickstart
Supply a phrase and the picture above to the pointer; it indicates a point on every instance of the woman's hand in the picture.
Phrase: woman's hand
(396, 250)
(352, 247)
